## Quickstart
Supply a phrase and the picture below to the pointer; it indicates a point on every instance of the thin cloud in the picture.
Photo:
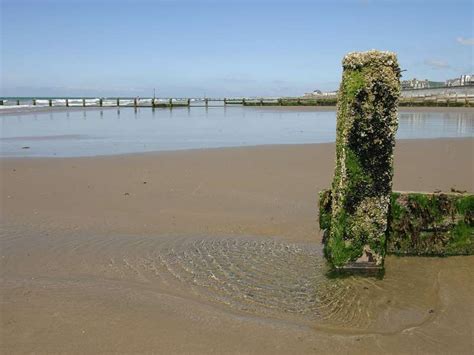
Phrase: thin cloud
(465, 41)
(237, 80)
(436, 64)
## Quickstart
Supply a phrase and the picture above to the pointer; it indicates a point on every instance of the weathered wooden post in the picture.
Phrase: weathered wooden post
(365, 138)
(101, 102)
(67, 102)
(189, 102)
(50, 102)
(171, 103)
(34, 102)
(83, 102)
(118, 102)
(135, 102)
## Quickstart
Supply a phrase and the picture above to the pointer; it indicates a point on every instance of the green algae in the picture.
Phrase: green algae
(422, 224)
(431, 224)
(365, 137)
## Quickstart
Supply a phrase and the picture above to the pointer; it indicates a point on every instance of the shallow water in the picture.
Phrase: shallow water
(90, 132)
(256, 277)
(288, 281)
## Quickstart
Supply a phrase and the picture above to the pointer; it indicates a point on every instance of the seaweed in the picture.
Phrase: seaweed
(365, 137)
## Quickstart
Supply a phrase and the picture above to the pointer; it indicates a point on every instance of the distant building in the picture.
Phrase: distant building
(453, 82)
(414, 84)
(314, 93)
(463, 80)
(420, 84)
(320, 93)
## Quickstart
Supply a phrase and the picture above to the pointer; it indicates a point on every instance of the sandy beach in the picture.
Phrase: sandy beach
(114, 253)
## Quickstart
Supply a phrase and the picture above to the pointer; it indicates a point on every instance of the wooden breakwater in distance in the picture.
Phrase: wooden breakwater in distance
(99, 102)
(466, 100)
(168, 102)
(438, 101)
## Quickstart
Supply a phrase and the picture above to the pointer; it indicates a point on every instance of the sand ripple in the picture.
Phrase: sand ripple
(258, 277)
(273, 278)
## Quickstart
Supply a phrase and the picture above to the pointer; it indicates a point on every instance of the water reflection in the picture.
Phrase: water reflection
(131, 130)
(436, 124)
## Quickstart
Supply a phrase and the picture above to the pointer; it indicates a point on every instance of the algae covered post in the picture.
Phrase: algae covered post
(362, 183)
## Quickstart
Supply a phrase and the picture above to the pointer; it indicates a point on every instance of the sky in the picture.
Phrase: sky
(221, 48)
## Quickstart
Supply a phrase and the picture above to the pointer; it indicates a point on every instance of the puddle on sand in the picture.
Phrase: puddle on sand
(258, 277)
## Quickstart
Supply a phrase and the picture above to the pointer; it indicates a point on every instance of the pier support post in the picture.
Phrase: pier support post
(135, 102)
(101, 102)
(83, 102)
(50, 102)
(34, 102)
(67, 102)
(365, 138)
(118, 102)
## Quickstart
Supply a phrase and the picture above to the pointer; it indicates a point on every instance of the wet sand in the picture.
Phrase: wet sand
(212, 251)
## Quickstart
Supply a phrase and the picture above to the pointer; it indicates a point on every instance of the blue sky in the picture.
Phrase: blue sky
(220, 48)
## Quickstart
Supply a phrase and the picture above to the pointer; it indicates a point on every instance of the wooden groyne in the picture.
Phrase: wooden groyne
(438, 101)
(466, 100)
(166, 102)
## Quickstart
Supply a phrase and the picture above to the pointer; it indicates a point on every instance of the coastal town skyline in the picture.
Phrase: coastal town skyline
(220, 48)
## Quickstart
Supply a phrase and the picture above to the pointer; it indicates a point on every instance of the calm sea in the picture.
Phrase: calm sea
(90, 132)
